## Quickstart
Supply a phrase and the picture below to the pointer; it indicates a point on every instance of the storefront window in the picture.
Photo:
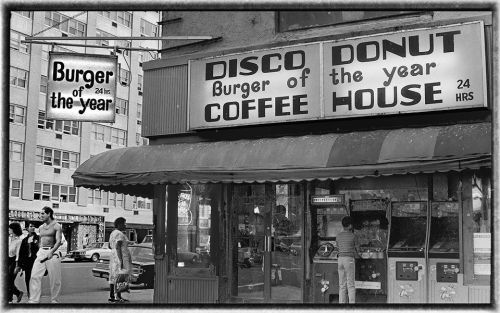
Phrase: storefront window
(194, 226)
(481, 217)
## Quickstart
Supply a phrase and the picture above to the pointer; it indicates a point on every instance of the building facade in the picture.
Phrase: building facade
(44, 153)
(263, 137)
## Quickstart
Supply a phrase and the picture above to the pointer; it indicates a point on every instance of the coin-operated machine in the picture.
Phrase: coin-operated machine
(370, 223)
(327, 212)
(406, 271)
(445, 275)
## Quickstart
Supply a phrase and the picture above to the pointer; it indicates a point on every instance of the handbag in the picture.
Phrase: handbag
(122, 283)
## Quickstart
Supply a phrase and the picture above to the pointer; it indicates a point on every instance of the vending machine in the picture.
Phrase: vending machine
(445, 274)
(406, 253)
(370, 223)
(327, 212)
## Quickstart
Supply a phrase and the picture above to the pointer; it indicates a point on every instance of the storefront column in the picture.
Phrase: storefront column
(159, 238)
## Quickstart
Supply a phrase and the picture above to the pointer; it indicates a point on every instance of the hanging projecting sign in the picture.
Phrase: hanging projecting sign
(81, 87)
(276, 85)
(430, 69)
(420, 70)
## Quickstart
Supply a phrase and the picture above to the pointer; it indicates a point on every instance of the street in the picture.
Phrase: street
(80, 286)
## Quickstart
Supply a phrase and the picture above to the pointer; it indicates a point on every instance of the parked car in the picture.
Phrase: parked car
(143, 265)
(93, 252)
(188, 257)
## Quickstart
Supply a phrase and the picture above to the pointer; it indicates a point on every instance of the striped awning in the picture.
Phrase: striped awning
(330, 156)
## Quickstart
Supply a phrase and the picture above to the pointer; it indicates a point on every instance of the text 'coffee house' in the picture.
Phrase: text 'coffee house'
(256, 155)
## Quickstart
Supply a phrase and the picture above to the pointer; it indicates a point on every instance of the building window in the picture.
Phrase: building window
(100, 197)
(43, 84)
(16, 44)
(56, 158)
(109, 134)
(102, 42)
(139, 111)
(16, 114)
(121, 106)
(69, 26)
(42, 191)
(141, 203)
(15, 188)
(149, 29)
(295, 20)
(124, 77)
(18, 77)
(27, 14)
(53, 192)
(122, 17)
(139, 82)
(66, 127)
(120, 200)
(16, 151)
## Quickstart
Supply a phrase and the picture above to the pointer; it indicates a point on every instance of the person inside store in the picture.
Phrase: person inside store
(15, 232)
(47, 258)
(346, 261)
(27, 254)
(120, 261)
(85, 241)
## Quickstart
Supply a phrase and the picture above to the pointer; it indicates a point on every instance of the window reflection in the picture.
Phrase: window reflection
(193, 226)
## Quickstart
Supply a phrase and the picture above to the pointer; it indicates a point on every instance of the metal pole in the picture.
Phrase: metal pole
(123, 38)
(85, 45)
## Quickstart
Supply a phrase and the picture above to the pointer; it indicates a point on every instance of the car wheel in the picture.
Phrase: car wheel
(95, 257)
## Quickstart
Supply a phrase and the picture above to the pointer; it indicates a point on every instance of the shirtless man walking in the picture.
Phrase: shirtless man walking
(47, 258)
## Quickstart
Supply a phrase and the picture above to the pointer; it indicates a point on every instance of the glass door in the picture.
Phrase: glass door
(267, 242)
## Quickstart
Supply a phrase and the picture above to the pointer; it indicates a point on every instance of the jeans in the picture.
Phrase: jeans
(346, 279)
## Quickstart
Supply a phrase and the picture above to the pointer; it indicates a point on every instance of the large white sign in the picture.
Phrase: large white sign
(439, 68)
(81, 87)
(410, 71)
(277, 85)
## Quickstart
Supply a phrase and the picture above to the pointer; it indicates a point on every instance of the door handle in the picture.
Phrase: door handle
(267, 243)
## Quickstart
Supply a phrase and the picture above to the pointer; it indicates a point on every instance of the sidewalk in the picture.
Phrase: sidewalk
(135, 296)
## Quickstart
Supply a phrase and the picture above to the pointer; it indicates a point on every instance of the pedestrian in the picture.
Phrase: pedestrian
(120, 260)
(15, 232)
(346, 261)
(47, 259)
(85, 241)
(27, 254)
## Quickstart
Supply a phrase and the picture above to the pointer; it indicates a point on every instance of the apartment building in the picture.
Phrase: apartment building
(44, 153)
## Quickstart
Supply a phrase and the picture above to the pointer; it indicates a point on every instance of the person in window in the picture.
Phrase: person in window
(27, 253)
(121, 260)
(85, 241)
(15, 233)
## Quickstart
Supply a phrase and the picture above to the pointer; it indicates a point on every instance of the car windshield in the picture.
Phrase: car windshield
(95, 245)
(142, 254)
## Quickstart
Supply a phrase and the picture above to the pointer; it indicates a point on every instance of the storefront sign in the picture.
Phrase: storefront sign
(358, 284)
(482, 243)
(408, 71)
(276, 85)
(81, 87)
(327, 200)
